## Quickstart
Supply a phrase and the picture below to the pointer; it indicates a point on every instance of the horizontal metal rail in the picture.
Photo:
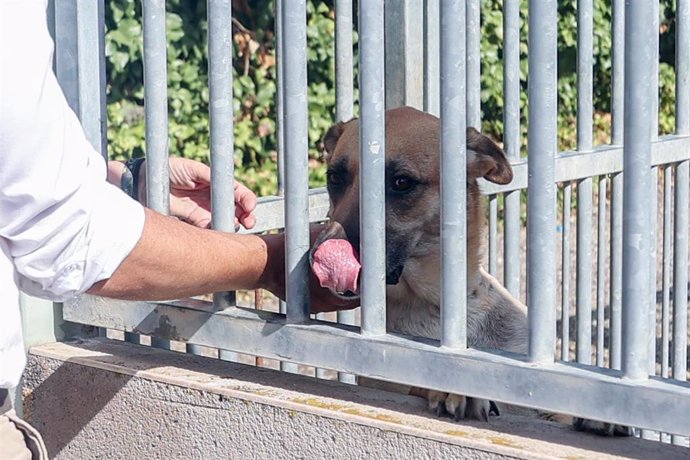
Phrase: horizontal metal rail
(602, 394)
(606, 159)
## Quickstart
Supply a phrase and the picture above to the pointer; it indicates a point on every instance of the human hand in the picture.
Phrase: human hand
(190, 192)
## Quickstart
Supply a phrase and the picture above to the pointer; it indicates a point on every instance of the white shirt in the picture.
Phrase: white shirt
(62, 226)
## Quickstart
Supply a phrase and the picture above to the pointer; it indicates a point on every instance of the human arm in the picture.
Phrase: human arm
(160, 267)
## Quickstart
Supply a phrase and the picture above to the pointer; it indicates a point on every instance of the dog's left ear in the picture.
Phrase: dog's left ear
(486, 159)
(330, 140)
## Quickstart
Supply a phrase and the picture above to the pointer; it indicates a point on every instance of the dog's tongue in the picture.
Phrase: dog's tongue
(336, 265)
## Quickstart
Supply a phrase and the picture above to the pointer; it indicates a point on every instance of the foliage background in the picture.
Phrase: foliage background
(255, 79)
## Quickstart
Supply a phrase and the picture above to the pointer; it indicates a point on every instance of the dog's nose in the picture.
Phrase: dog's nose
(336, 230)
(393, 276)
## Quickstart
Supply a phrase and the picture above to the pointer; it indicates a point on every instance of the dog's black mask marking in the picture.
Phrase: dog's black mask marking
(393, 275)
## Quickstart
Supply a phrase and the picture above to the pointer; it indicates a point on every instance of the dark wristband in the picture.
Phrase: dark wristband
(130, 177)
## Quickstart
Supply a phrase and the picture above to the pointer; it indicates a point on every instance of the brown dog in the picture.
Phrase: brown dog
(494, 319)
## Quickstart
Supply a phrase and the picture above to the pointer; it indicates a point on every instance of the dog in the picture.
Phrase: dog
(495, 319)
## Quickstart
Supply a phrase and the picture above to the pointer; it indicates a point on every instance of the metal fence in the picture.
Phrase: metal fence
(625, 385)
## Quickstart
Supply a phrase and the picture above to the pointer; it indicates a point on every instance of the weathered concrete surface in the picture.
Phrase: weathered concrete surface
(107, 399)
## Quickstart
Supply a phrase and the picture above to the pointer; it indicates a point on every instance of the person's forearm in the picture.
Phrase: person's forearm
(175, 260)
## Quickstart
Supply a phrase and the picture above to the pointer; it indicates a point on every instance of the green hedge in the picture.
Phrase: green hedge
(254, 79)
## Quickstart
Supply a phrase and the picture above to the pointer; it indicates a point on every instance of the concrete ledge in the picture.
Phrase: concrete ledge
(107, 399)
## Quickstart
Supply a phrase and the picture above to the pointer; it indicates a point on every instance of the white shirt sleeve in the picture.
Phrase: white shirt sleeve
(65, 226)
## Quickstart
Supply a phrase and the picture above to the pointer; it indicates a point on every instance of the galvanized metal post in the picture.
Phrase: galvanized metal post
(280, 102)
(473, 70)
(280, 133)
(221, 132)
(91, 69)
(156, 113)
(682, 200)
(432, 98)
(601, 267)
(541, 200)
(67, 50)
(404, 53)
(639, 59)
(511, 142)
(585, 38)
(372, 146)
(565, 273)
(294, 30)
(344, 101)
(617, 126)
(453, 176)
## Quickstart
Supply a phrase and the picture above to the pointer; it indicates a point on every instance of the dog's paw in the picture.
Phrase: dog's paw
(601, 428)
(460, 407)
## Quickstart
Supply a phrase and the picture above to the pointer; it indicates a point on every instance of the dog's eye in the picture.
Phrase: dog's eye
(334, 179)
(402, 184)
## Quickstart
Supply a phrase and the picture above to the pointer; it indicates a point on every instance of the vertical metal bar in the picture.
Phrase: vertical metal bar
(511, 140)
(541, 199)
(280, 104)
(280, 134)
(156, 113)
(432, 96)
(404, 52)
(585, 63)
(680, 272)
(91, 70)
(654, 68)
(585, 25)
(91, 58)
(666, 276)
(616, 271)
(652, 213)
(565, 282)
(221, 134)
(653, 204)
(493, 231)
(618, 64)
(584, 271)
(67, 52)
(344, 89)
(474, 72)
(683, 67)
(221, 119)
(296, 157)
(682, 194)
(372, 145)
(344, 102)
(617, 126)
(601, 267)
(156, 105)
(639, 58)
(453, 176)
(344, 74)
(682, 198)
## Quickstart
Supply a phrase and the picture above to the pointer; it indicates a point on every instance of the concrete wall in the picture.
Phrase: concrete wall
(107, 399)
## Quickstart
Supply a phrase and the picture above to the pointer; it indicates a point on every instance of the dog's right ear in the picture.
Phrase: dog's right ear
(486, 159)
(330, 140)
